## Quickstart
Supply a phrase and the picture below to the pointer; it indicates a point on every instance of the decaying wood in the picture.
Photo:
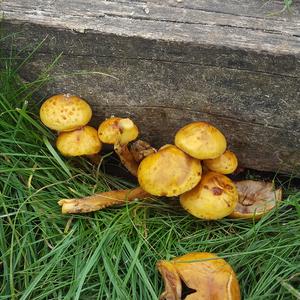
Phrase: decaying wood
(232, 63)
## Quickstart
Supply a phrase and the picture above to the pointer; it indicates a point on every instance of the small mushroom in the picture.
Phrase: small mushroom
(226, 163)
(119, 132)
(256, 198)
(83, 141)
(215, 197)
(205, 275)
(201, 140)
(101, 200)
(169, 172)
(65, 112)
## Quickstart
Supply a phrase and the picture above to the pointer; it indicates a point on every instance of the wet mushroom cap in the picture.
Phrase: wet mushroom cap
(83, 141)
(205, 274)
(65, 112)
(215, 197)
(201, 140)
(114, 130)
(226, 163)
(169, 172)
(256, 198)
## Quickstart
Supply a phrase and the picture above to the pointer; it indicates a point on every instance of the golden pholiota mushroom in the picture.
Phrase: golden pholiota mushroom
(169, 172)
(119, 132)
(226, 163)
(201, 140)
(83, 141)
(256, 198)
(205, 275)
(65, 112)
(101, 200)
(215, 197)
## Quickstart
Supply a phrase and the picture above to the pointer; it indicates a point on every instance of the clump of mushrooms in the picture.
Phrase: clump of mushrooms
(69, 116)
(175, 170)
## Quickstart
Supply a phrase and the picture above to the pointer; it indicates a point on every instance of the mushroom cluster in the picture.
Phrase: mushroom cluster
(194, 168)
(69, 116)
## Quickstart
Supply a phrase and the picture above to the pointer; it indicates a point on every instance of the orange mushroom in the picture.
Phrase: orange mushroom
(205, 274)
(65, 112)
(119, 132)
(169, 172)
(215, 197)
(201, 140)
(83, 141)
(226, 163)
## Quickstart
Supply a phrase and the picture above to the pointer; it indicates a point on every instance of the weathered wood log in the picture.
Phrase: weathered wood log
(236, 65)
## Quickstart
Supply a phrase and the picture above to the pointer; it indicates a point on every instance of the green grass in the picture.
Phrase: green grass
(111, 254)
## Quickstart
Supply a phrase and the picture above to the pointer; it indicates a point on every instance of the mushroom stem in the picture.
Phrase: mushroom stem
(126, 158)
(99, 201)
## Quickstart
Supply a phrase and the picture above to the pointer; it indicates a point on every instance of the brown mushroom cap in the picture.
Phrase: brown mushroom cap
(226, 163)
(201, 140)
(117, 130)
(215, 197)
(207, 274)
(65, 112)
(83, 141)
(169, 172)
(256, 198)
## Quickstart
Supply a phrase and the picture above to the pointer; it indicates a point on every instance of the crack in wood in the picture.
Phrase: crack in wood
(145, 18)
(172, 62)
(236, 120)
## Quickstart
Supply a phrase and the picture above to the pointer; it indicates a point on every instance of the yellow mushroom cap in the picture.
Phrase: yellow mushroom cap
(201, 140)
(207, 274)
(226, 163)
(65, 112)
(83, 141)
(114, 130)
(169, 172)
(256, 198)
(215, 197)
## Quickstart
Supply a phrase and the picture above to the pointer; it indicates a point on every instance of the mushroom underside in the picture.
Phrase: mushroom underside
(256, 196)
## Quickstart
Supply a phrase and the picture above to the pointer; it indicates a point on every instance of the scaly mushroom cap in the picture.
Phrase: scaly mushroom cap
(169, 172)
(83, 141)
(65, 112)
(226, 163)
(215, 197)
(117, 130)
(256, 198)
(205, 274)
(201, 140)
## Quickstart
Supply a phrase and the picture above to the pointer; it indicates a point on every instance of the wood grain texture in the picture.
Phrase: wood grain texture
(233, 64)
